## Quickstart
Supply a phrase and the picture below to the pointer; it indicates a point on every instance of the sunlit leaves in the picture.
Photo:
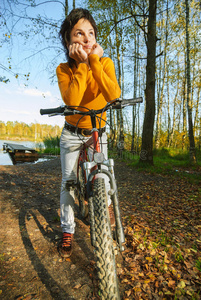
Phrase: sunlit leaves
(8, 35)
(20, 129)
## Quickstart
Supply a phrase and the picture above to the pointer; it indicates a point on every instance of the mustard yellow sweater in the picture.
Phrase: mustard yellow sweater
(92, 88)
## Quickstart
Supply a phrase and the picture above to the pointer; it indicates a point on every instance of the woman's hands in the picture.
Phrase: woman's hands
(97, 49)
(77, 52)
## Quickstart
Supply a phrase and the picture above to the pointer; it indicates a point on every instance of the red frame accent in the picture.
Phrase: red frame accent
(83, 153)
(96, 141)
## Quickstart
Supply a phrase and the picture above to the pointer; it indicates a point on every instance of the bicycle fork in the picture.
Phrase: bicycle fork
(112, 192)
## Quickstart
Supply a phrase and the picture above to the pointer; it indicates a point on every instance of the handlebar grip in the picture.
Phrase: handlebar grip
(132, 101)
(49, 111)
(121, 103)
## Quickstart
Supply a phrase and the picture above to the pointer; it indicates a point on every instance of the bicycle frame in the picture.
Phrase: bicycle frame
(93, 140)
(92, 168)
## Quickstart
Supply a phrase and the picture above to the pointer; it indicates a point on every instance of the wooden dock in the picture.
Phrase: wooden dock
(20, 153)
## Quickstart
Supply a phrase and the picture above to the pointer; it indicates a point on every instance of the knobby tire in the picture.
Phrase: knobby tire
(106, 266)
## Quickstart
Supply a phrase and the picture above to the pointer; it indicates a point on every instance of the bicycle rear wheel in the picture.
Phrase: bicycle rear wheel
(108, 282)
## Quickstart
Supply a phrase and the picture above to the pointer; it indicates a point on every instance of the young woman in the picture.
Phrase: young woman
(86, 80)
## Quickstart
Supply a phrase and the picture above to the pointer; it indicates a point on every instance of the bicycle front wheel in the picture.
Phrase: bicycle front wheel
(108, 282)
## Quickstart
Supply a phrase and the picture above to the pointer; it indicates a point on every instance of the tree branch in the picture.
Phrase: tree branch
(35, 5)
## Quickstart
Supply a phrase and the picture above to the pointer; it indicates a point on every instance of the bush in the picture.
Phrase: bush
(52, 142)
(52, 145)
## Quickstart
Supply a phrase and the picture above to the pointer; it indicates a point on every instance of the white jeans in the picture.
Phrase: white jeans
(70, 145)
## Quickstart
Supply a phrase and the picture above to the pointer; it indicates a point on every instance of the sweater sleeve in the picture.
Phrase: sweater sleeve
(72, 86)
(104, 74)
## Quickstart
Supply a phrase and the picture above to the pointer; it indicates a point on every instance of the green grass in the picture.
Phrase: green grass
(52, 142)
(2, 258)
(174, 162)
(178, 256)
(174, 158)
(52, 146)
(198, 264)
(51, 151)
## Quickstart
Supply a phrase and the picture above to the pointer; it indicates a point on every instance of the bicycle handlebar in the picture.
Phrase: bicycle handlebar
(71, 110)
(49, 111)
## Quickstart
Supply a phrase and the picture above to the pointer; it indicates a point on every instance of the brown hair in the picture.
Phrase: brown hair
(68, 24)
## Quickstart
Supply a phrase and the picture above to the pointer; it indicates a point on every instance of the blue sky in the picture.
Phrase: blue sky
(22, 104)
(21, 100)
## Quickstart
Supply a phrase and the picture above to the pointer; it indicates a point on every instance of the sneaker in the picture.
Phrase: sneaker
(111, 214)
(65, 248)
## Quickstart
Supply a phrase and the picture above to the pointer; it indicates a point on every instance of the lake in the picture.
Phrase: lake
(5, 159)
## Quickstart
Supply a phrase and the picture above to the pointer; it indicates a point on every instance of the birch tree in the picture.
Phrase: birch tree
(189, 99)
(164, 72)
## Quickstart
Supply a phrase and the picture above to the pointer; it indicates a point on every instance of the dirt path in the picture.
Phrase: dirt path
(30, 265)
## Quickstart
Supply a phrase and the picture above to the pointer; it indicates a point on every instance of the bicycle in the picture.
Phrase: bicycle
(92, 197)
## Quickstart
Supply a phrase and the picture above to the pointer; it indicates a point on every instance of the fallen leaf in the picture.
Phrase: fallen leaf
(156, 284)
(147, 281)
(128, 293)
(150, 259)
(69, 260)
(137, 289)
(181, 284)
(77, 286)
(171, 283)
(187, 264)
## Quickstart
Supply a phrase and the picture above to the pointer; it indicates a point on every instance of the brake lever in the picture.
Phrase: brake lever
(56, 114)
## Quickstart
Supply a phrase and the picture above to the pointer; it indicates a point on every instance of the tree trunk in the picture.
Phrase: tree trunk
(66, 8)
(174, 120)
(113, 129)
(120, 126)
(184, 105)
(146, 155)
(122, 72)
(196, 120)
(160, 101)
(138, 105)
(184, 129)
(200, 135)
(168, 107)
(189, 99)
(134, 94)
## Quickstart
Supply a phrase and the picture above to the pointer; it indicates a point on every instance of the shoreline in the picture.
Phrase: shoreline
(20, 139)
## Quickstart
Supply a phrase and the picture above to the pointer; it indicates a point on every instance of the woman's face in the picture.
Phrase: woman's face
(83, 33)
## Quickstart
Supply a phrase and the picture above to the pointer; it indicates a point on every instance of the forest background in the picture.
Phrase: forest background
(155, 46)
